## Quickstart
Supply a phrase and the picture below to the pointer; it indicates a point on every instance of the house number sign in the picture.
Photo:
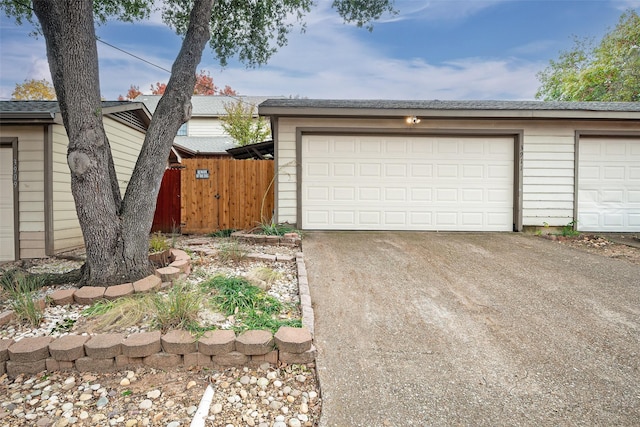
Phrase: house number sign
(202, 173)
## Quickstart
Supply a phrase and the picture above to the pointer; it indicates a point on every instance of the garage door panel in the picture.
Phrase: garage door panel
(609, 184)
(453, 184)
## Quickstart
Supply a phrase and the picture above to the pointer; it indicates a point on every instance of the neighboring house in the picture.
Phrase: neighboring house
(37, 211)
(456, 165)
(203, 136)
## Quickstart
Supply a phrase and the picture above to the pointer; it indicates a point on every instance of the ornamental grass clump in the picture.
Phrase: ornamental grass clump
(178, 309)
(21, 291)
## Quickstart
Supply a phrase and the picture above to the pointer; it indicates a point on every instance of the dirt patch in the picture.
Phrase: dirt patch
(603, 246)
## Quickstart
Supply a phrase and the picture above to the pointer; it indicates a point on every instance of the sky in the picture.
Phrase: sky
(432, 49)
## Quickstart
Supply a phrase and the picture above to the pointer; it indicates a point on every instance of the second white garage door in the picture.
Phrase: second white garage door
(407, 183)
(609, 185)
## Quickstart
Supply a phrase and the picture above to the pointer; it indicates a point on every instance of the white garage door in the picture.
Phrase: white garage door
(7, 243)
(407, 183)
(609, 185)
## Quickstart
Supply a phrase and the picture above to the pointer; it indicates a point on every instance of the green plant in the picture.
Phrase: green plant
(236, 295)
(569, 229)
(64, 325)
(256, 319)
(273, 229)
(21, 289)
(222, 233)
(232, 251)
(177, 309)
(158, 243)
(240, 124)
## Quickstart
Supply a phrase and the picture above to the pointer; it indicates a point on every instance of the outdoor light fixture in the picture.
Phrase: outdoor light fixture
(413, 120)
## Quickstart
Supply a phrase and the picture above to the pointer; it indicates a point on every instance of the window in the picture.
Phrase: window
(183, 130)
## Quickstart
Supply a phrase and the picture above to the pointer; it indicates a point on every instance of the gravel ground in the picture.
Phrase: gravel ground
(265, 397)
(148, 397)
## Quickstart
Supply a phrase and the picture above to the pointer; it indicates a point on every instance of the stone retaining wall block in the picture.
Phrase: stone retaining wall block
(87, 295)
(308, 356)
(146, 284)
(271, 357)
(104, 346)
(293, 340)
(123, 361)
(5, 343)
(63, 296)
(197, 359)
(163, 360)
(179, 342)
(54, 365)
(89, 364)
(117, 291)
(142, 344)
(214, 343)
(234, 358)
(30, 368)
(68, 348)
(30, 349)
(254, 342)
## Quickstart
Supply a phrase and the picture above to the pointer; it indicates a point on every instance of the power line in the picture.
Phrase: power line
(139, 58)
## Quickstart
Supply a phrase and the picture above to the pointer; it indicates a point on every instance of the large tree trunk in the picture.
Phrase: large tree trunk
(115, 230)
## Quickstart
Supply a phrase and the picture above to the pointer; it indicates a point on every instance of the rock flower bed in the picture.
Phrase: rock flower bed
(258, 394)
(66, 319)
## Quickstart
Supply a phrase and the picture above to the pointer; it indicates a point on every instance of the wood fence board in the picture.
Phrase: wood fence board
(232, 196)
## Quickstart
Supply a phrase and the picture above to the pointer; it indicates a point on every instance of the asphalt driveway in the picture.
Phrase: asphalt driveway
(472, 329)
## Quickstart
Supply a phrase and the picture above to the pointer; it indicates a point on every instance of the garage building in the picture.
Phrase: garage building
(456, 165)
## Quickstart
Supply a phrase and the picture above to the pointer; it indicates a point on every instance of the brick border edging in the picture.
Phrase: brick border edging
(289, 239)
(219, 348)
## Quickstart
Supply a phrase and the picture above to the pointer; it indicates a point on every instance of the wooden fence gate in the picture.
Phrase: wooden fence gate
(167, 216)
(219, 194)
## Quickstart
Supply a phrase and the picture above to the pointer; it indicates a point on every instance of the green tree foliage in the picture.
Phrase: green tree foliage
(115, 228)
(241, 124)
(34, 90)
(608, 71)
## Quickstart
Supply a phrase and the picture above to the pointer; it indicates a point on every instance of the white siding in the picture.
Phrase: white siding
(205, 126)
(125, 145)
(31, 224)
(548, 174)
(66, 229)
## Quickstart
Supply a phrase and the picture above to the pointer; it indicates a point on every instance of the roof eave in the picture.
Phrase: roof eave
(275, 111)
(27, 117)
